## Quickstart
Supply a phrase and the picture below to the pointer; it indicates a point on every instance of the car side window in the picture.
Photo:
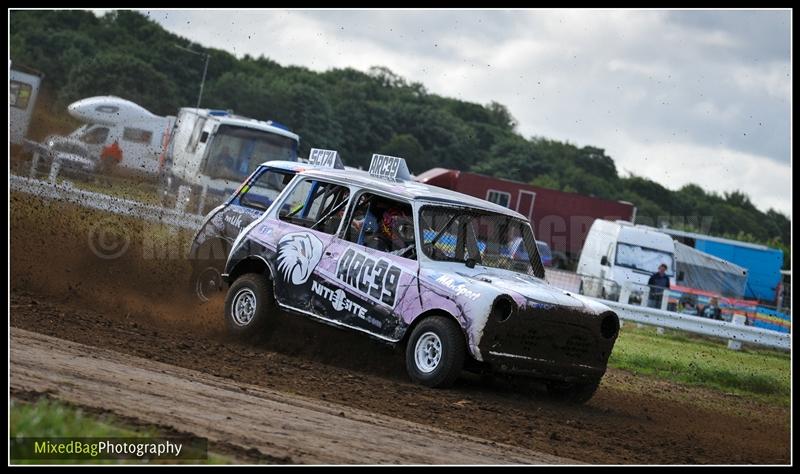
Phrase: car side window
(263, 190)
(315, 205)
(383, 224)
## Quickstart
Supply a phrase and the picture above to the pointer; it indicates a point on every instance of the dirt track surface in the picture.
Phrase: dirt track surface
(292, 428)
(138, 307)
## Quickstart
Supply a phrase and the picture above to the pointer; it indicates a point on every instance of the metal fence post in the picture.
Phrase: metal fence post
(665, 299)
(203, 195)
(183, 198)
(625, 293)
(54, 169)
(664, 302)
(738, 319)
(34, 163)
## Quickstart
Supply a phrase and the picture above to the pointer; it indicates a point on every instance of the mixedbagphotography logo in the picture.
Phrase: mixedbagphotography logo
(109, 239)
(108, 448)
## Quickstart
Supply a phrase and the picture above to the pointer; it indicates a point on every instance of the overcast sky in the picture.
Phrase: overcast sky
(677, 96)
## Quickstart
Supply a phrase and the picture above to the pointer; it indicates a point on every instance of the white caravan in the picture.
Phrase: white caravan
(23, 88)
(616, 254)
(212, 151)
(140, 134)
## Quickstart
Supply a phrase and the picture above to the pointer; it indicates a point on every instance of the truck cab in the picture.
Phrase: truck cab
(619, 253)
(211, 151)
(23, 89)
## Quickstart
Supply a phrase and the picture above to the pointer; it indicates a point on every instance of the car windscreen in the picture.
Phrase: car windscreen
(260, 193)
(642, 258)
(236, 151)
(490, 239)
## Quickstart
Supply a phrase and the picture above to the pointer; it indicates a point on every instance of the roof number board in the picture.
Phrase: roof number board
(389, 167)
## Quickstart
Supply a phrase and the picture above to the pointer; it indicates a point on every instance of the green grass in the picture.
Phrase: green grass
(51, 419)
(762, 374)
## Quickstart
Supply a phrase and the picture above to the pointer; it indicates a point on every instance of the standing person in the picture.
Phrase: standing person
(656, 282)
(226, 159)
(712, 311)
(110, 156)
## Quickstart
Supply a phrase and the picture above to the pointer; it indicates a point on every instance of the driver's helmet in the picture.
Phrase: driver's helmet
(397, 226)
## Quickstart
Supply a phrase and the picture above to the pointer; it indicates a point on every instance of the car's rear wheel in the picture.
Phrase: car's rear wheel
(249, 305)
(575, 393)
(206, 281)
(435, 352)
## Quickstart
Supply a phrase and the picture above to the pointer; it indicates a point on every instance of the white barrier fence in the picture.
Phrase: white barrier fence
(735, 331)
(103, 202)
(726, 330)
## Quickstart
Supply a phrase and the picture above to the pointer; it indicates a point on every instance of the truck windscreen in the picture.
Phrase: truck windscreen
(236, 151)
(643, 258)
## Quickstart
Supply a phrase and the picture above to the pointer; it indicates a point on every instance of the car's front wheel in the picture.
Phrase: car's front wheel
(249, 305)
(576, 392)
(435, 352)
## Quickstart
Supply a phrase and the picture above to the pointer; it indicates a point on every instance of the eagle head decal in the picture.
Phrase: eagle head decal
(298, 254)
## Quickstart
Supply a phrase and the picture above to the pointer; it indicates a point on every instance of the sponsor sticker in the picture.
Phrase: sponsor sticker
(459, 288)
(298, 255)
(234, 220)
(341, 303)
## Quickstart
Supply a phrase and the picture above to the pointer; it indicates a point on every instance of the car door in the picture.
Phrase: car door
(247, 204)
(308, 220)
(361, 285)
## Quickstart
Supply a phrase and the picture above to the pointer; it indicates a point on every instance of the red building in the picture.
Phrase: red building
(559, 218)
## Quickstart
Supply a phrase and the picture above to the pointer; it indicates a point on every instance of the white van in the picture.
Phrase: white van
(140, 134)
(211, 152)
(23, 88)
(616, 254)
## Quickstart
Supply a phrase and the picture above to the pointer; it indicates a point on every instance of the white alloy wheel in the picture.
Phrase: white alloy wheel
(244, 306)
(428, 352)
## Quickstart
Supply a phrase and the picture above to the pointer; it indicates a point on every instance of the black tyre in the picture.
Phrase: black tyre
(435, 352)
(208, 263)
(249, 305)
(575, 393)
(206, 282)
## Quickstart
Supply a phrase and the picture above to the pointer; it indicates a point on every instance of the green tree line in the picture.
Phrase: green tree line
(126, 54)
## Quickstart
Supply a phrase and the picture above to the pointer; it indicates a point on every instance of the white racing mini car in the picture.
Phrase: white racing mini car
(457, 280)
